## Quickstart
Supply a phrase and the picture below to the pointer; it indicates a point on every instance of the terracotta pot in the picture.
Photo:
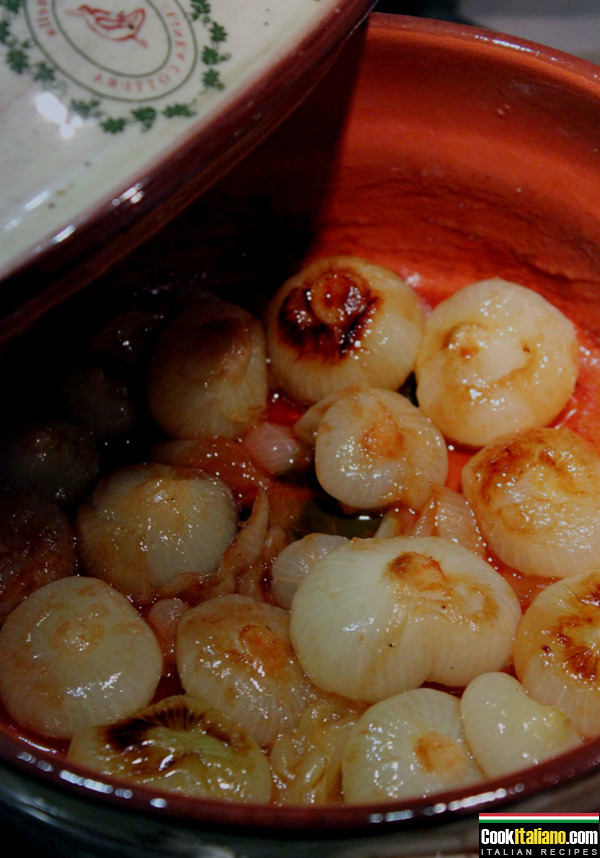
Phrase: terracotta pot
(450, 154)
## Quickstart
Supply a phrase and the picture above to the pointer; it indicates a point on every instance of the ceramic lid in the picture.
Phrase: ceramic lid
(109, 109)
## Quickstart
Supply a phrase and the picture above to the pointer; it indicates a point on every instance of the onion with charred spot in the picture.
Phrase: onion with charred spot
(342, 321)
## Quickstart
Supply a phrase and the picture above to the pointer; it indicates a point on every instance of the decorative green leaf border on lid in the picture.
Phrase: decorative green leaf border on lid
(19, 61)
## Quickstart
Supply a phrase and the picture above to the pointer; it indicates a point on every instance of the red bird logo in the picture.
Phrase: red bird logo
(117, 26)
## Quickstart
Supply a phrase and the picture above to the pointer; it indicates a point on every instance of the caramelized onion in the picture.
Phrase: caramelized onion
(380, 616)
(153, 530)
(495, 357)
(236, 652)
(74, 654)
(342, 321)
(408, 746)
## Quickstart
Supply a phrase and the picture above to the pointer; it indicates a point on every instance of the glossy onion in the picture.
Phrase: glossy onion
(181, 745)
(208, 373)
(507, 730)
(307, 425)
(557, 650)
(153, 529)
(408, 746)
(74, 654)
(380, 616)
(236, 652)
(374, 448)
(495, 357)
(37, 546)
(296, 560)
(536, 496)
(342, 321)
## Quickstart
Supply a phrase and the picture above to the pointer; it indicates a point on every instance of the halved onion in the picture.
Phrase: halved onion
(181, 745)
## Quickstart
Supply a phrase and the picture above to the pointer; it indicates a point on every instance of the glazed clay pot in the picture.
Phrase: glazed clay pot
(450, 154)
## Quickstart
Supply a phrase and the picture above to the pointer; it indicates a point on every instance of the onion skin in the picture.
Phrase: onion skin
(306, 762)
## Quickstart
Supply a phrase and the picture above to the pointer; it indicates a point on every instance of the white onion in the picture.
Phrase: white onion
(296, 560)
(408, 746)
(375, 448)
(557, 650)
(495, 357)
(236, 652)
(307, 425)
(208, 373)
(507, 730)
(379, 616)
(342, 321)
(154, 529)
(536, 495)
(181, 745)
(73, 654)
